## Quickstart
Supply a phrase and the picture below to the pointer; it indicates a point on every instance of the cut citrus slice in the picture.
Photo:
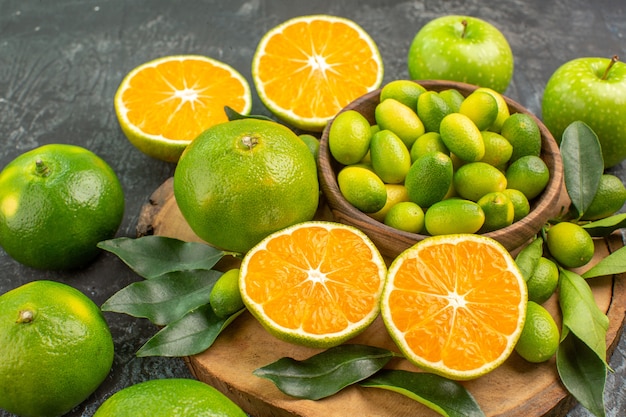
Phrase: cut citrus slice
(455, 305)
(164, 104)
(315, 284)
(308, 68)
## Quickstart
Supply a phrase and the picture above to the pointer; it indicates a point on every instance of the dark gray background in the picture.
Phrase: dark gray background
(61, 62)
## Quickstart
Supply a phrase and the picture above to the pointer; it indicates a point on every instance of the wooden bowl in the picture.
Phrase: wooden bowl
(391, 242)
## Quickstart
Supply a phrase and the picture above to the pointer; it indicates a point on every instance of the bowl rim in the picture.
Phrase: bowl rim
(547, 200)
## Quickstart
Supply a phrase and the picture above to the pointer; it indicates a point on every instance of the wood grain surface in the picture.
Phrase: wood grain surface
(517, 388)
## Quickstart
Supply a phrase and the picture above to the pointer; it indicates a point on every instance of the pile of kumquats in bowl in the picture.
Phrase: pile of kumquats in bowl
(447, 167)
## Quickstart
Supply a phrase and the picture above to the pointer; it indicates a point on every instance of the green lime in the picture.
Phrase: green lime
(498, 150)
(312, 142)
(453, 215)
(523, 133)
(481, 107)
(225, 298)
(406, 216)
(395, 194)
(56, 203)
(428, 142)
(462, 137)
(431, 109)
(521, 206)
(169, 397)
(475, 179)
(362, 188)
(498, 209)
(56, 349)
(429, 178)
(453, 98)
(390, 157)
(543, 281)
(400, 119)
(539, 340)
(503, 108)
(528, 174)
(609, 198)
(349, 137)
(570, 244)
(405, 91)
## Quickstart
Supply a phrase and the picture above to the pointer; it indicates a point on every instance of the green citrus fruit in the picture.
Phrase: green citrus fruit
(481, 107)
(503, 108)
(241, 180)
(56, 349)
(539, 340)
(390, 157)
(453, 215)
(169, 397)
(428, 142)
(523, 133)
(453, 98)
(521, 205)
(498, 209)
(429, 179)
(462, 137)
(528, 174)
(362, 188)
(475, 179)
(400, 119)
(395, 194)
(312, 142)
(56, 203)
(570, 244)
(406, 216)
(349, 137)
(498, 150)
(405, 91)
(609, 198)
(543, 281)
(431, 109)
(225, 298)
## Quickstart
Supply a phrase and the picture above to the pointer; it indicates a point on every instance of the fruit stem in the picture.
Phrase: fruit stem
(608, 68)
(464, 23)
(25, 316)
(41, 168)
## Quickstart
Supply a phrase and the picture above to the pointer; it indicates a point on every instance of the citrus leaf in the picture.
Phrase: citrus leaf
(581, 314)
(153, 256)
(583, 164)
(326, 373)
(582, 373)
(614, 263)
(447, 397)
(232, 114)
(528, 257)
(606, 226)
(164, 299)
(193, 333)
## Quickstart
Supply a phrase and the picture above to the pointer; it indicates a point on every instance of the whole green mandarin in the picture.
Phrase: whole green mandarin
(429, 179)
(474, 180)
(400, 119)
(390, 157)
(521, 205)
(362, 188)
(521, 130)
(543, 281)
(405, 91)
(406, 216)
(428, 142)
(503, 108)
(462, 137)
(610, 197)
(498, 150)
(349, 137)
(482, 108)
(225, 298)
(528, 174)
(539, 340)
(498, 209)
(453, 215)
(570, 244)
(453, 98)
(431, 109)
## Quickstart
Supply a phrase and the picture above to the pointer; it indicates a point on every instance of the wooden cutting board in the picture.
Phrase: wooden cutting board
(517, 388)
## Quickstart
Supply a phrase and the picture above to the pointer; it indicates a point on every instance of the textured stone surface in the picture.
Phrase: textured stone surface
(61, 62)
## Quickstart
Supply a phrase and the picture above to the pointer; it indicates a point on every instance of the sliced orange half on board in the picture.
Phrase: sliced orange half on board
(315, 284)
(455, 305)
(164, 104)
(308, 68)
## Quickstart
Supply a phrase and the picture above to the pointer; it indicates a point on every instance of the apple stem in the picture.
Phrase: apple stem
(464, 23)
(608, 68)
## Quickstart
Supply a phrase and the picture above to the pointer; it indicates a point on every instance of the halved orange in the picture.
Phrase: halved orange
(316, 283)
(164, 104)
(455, 304)
(308, 68)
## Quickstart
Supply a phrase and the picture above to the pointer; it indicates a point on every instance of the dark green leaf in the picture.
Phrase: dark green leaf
(448, 398)
(152, 256)
(604, 227)
(327, 372)
(528, 257)
(582, 373)
(164, 299)
(581, 314)
(193, 333)
(583, 164)
(234, 115)
(614, 263)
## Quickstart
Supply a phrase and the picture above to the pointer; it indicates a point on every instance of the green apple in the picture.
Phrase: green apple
(592, 90)
(461, 48)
